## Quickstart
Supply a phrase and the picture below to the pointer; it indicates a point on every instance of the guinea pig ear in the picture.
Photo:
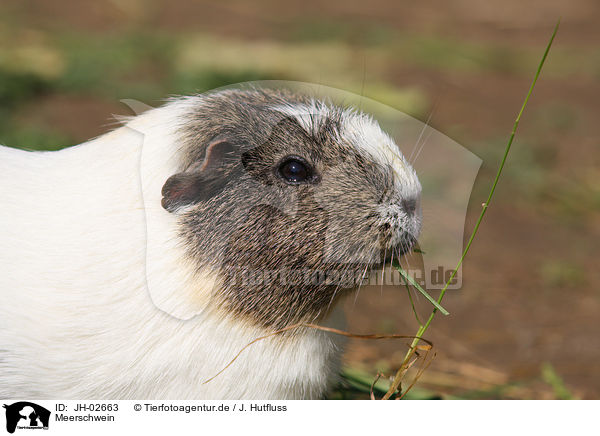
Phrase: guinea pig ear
(200, 182)
(215, 154)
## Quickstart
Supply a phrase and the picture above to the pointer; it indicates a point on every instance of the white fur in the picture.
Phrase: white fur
(76, 317)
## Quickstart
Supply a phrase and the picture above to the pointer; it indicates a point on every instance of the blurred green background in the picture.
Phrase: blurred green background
(525, 324)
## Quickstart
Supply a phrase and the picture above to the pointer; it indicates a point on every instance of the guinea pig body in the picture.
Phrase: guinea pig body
(180, 201)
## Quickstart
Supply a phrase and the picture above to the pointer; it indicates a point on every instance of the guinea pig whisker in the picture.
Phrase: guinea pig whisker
(421, 149)
(403, 256)
(420, 136)
(333, 296)
(360, 285)
(383, 270)
(392, 260)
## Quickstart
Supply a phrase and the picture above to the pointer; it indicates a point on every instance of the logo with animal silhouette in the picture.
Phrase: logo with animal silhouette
(26, 415)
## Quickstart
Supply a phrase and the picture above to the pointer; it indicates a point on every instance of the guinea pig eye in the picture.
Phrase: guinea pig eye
(294, 171)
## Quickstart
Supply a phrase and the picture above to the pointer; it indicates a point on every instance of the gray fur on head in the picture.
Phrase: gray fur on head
(284, 250)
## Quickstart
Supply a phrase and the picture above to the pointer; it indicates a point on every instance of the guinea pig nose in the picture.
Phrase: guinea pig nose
(409, 205)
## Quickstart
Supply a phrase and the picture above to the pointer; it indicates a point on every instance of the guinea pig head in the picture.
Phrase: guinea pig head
(290, 203)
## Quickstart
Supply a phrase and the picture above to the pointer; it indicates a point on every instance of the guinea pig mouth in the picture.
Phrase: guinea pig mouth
(394, 246)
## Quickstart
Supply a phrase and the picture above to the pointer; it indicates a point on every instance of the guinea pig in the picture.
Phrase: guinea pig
(126, 259)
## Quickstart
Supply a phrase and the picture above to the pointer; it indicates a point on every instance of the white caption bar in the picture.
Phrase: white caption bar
(298, 417)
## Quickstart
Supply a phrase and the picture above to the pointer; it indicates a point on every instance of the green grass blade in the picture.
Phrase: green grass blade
(412, 304)
(422, 329)
(418, 287)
